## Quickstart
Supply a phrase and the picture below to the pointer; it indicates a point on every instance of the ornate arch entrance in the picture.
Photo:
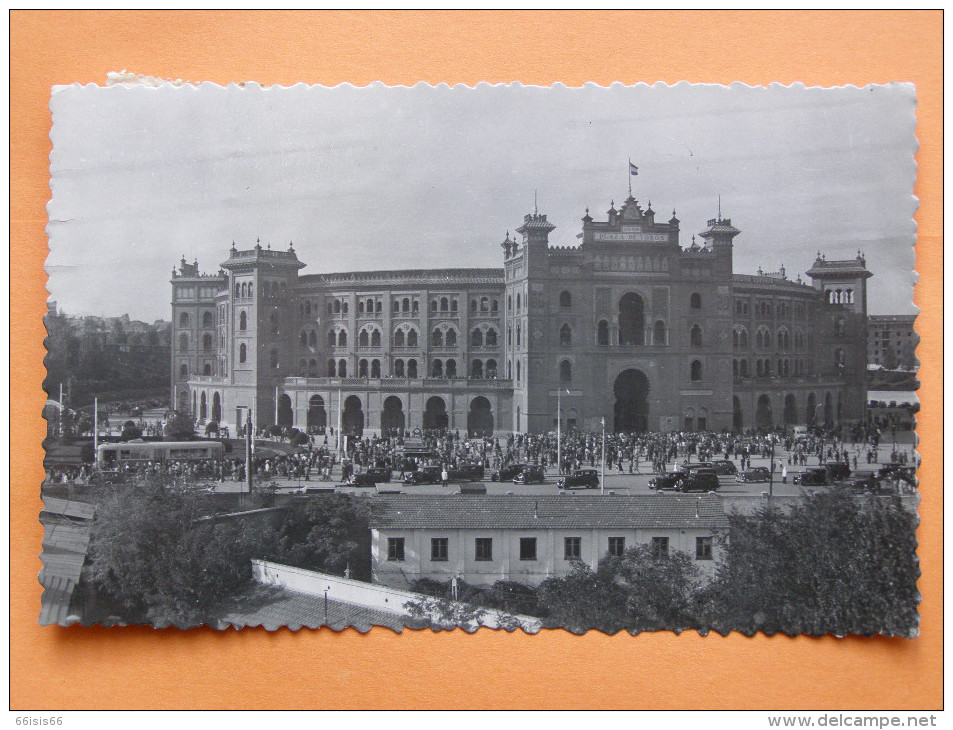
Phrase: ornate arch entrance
(435, 415)
(352, 418)
(392, 417)
(480, 417)
(631, 401)
(317, 415)
(285, 413)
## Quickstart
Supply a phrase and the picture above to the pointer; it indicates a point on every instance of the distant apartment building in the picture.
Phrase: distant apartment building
(483, 539)
(892, 341)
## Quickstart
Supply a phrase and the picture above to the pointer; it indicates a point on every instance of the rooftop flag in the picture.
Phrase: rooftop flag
(633, 170)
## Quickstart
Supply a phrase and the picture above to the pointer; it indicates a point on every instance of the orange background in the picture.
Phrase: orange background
(83, 668)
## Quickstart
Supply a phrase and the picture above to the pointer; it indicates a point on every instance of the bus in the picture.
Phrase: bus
(111, 456)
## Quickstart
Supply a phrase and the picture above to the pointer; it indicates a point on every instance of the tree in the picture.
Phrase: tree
(130, 431)
(180, 427)
(152, 552)
(329, 533)
(833, 563)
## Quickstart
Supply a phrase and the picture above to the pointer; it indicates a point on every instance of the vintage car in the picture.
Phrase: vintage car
(371, 477)
(724, 466)
(580, 479)
(687, 467)
(864, 482)
(424, 475)
(530, 475)
(755, 474)
(507, 473)
(666, 481)
(701, 480)
(837, 470)
(815, 476)
(467, 473)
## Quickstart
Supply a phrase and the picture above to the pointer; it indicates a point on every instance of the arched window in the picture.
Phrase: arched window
(405, 305)
(370, 306)
(696, 336)
(243, 320)
(395, 306)
(436, 338)
(602, 333)
(509, 336)
(398, 368)
(696, 370)
(476, 371)
(491, 337)
(337, 306)
(342, 368)
(376, 338)
(242, 352)
(360, 307)
(743, 369)
(495, 306)
(411, 368)
(207, 342)
(375, 368)
(331, 368)
(415, 307)
(313, 338)
(565, 335)
(399, 338)
(484, 304)
(433, 305)
(251, 289)
(565, 299)
(631, 320)
(342, 338)
(412, 339)
(436, 369)
(207, 369)
(509, 303)
(344, 307)
(183, 342)
(734, 367)
(379, 307)
(476, 338)
(303, 338)
(517, 302)
(273, 359)
(517, 371)
(759, 368)
(238, 289)
(491, 368)
(332, 339)
(444, 304)
(509, 369)
(312, 368)
(518, 331)
(362, 339)
(244, 289)
(658, 333)
(183, 371)
(451, 368)
(451, 338)
(207, 319)
(565, 372)
(274, 323)
(695, 301)
(362, 368)
(473, 305)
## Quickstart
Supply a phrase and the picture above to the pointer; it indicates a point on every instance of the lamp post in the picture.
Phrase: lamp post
(771, 438)
(249, 435)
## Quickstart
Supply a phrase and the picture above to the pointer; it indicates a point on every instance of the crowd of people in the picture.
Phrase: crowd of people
(634, 453)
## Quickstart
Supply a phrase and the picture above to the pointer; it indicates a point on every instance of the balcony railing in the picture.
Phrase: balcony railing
(386, 383)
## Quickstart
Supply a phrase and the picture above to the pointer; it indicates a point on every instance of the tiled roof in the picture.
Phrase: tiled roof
(512, 512)
(274, 607)
(408, 277)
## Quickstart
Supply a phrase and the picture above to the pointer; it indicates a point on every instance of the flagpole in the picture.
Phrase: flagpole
(559, 432)
(602, 482)
(630, 177)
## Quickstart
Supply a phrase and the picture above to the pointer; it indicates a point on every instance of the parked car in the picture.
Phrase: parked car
(530, 475)
(666, 481)
(701, 480)
(724, 466)
(580, 479)
(507, 473)
(815, 476)
(756, 474)
(864, 482)
(424, 475)
(467, 473)
(837, 470)
(371, 477)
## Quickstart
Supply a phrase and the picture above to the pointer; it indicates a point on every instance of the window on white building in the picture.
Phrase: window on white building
(527, 548)
(703, 547)
(395, 548)
(439, 549)
(573, 548)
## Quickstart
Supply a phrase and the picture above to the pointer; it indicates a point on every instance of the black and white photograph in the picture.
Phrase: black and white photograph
(504, 357)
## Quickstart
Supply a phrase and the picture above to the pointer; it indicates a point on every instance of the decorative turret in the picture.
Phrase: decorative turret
(509, 246)
(719, 231)
(535, 229)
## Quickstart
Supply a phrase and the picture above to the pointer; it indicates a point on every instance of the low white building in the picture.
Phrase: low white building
(486, 538)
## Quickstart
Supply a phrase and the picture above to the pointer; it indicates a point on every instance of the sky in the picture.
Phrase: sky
(428, 177)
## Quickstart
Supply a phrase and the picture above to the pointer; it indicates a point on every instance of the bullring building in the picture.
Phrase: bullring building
(630, 325)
